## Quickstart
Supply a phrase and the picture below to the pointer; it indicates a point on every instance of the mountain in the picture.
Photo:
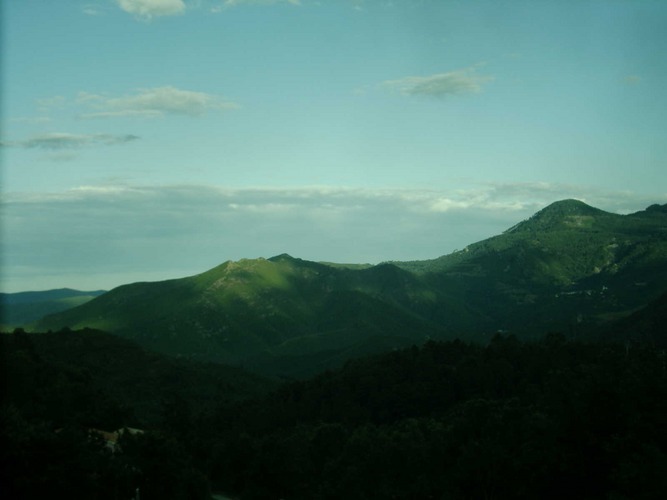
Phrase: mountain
(569, 268)
(256, 311)
(17, 309)
(560, 244)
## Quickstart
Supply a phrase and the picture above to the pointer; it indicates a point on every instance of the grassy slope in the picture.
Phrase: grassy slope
(252, 311)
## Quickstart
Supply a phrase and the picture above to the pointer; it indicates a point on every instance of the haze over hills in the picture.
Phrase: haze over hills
(568, 268)
(26, 307)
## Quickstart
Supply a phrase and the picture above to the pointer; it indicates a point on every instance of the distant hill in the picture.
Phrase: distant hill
(569, 268)
(18, 309)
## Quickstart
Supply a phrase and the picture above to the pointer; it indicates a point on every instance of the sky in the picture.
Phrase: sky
(151, 139)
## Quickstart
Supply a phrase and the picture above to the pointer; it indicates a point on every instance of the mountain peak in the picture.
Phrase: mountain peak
(282, 257)
(570, 206)
(570, 212)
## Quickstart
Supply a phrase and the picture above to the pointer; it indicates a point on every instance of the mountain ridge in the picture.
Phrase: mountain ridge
(254, 309)
(568, 268)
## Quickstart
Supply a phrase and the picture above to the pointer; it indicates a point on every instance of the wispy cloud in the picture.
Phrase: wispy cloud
(92, 9)
(62, 140)
(47, 104)
(506, 197)
(152, 103)
(61, 156)
(232, 3)
(31, 119)
(147, 9)
(462, 81)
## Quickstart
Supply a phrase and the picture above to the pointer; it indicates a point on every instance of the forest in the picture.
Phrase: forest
(552, 418)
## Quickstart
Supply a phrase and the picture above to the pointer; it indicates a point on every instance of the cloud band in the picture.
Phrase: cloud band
(463, 81)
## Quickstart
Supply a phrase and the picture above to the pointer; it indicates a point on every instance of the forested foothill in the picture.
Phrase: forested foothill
(552, 418)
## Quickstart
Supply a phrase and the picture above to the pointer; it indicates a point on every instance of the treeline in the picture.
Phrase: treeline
(59, 390)
(546, 419)
(549, 419)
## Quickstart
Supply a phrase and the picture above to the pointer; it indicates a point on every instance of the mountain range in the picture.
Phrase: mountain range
(569, 268)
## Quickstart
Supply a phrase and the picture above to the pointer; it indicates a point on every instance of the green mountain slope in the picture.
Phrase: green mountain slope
(17, 309)
(563, 243)
(255, 311)
(568, 268)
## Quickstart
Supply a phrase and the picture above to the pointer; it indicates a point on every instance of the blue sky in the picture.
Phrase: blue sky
(150, 139)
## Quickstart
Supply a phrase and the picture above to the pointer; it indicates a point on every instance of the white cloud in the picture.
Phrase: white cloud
(62, 140)
(92, 9)
(462, 81)
(152, 103)
(152, 8)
